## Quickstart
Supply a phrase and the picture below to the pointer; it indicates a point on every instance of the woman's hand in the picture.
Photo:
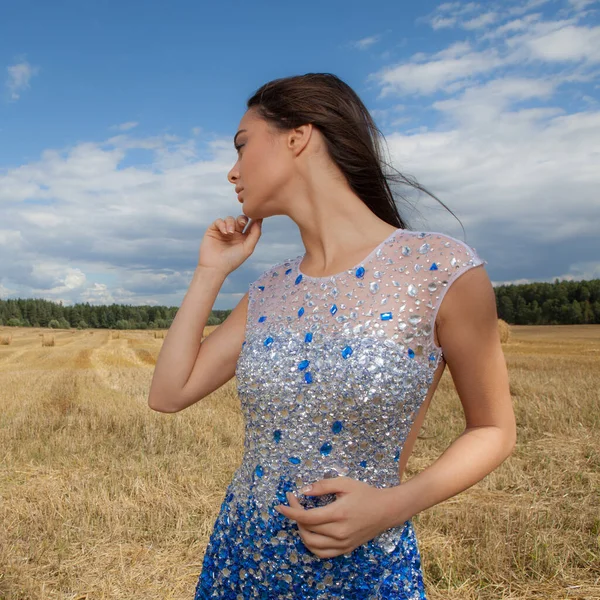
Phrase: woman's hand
(226, 246)
(359, 513)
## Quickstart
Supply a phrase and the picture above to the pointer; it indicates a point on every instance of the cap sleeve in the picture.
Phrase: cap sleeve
(450, 258)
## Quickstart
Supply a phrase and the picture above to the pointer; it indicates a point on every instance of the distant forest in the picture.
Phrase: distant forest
(558, 303)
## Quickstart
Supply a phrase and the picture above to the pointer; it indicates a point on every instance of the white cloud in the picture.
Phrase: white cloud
(77, 211)
(367, 42)
(5, 292)
(513, 44)
(481, 21)
(509, 155)
(125, 126)
(19, 76)
(438, 22)
(569, 43)
(512, 26)
(504, 149)
(449, 66)
(98, 293)
(521, 8)
(581, 4)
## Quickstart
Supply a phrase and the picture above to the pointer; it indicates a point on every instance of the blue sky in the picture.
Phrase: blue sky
(116, 125)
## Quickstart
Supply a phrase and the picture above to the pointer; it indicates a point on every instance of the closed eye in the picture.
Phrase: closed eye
(238, 147)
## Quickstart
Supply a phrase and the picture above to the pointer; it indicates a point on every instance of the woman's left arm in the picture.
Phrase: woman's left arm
(467, 330)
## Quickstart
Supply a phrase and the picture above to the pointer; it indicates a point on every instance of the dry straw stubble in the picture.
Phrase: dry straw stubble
(103, 498)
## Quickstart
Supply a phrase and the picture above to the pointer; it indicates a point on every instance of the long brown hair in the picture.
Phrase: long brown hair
(351, 135)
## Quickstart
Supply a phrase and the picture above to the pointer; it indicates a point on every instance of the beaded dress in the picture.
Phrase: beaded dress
(331, 375)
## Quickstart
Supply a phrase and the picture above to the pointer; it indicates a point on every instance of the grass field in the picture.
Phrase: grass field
(103, 498)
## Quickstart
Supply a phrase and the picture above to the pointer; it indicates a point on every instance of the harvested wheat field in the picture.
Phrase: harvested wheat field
(103, 498)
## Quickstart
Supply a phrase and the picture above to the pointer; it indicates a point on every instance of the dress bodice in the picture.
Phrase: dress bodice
(333, 370)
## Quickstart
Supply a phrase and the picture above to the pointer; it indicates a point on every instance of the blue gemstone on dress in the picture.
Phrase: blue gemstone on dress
(363, 463)
(268, 341)
(294, 460)
(308, 377)
(347, 351)
(386, 316)
(259, 471)
(333, 309)
(261, 319)
(261, 288)
(411, 353)
(308, 337)
(337, 426)
(325, 449)
(432, 356)
(288, 271)
(433, 267)
(301, 311)
(303, 364)
(277, 435)
(360, 272)
(298, 279)
(397, 455)
(243, 343)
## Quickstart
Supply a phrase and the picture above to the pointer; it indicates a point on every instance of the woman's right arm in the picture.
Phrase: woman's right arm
(187, 368)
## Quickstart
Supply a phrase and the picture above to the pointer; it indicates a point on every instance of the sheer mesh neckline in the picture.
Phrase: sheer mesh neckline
(362, 262)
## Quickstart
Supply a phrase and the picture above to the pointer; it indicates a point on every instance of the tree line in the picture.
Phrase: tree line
(558, 303)
(44, 313)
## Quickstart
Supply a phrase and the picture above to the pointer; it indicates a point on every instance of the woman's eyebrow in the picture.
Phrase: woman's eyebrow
(235, 136)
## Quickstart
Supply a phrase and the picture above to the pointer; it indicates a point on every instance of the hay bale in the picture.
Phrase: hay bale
(5, 340)
(48, 340)
(503, 330)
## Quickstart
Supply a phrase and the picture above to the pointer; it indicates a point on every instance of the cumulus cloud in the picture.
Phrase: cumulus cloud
(516, 162)
(126, 126)
(138, 228)
(425, 74)
(501, 123)
(567, 44)
(19, 76)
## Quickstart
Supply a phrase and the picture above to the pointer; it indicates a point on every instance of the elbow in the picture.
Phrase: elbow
(511, 440)
(161, 406)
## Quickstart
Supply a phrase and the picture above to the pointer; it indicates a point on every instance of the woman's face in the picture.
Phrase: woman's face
(263, 169)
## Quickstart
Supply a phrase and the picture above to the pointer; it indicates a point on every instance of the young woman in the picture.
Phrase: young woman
(337, 353)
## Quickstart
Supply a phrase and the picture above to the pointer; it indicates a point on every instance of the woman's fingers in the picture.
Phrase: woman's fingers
(320, 540)
(333, 531)
(230, 225)
(321, 545)
(221, 226)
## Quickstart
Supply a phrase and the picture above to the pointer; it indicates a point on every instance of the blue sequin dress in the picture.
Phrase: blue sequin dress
(331, 375)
